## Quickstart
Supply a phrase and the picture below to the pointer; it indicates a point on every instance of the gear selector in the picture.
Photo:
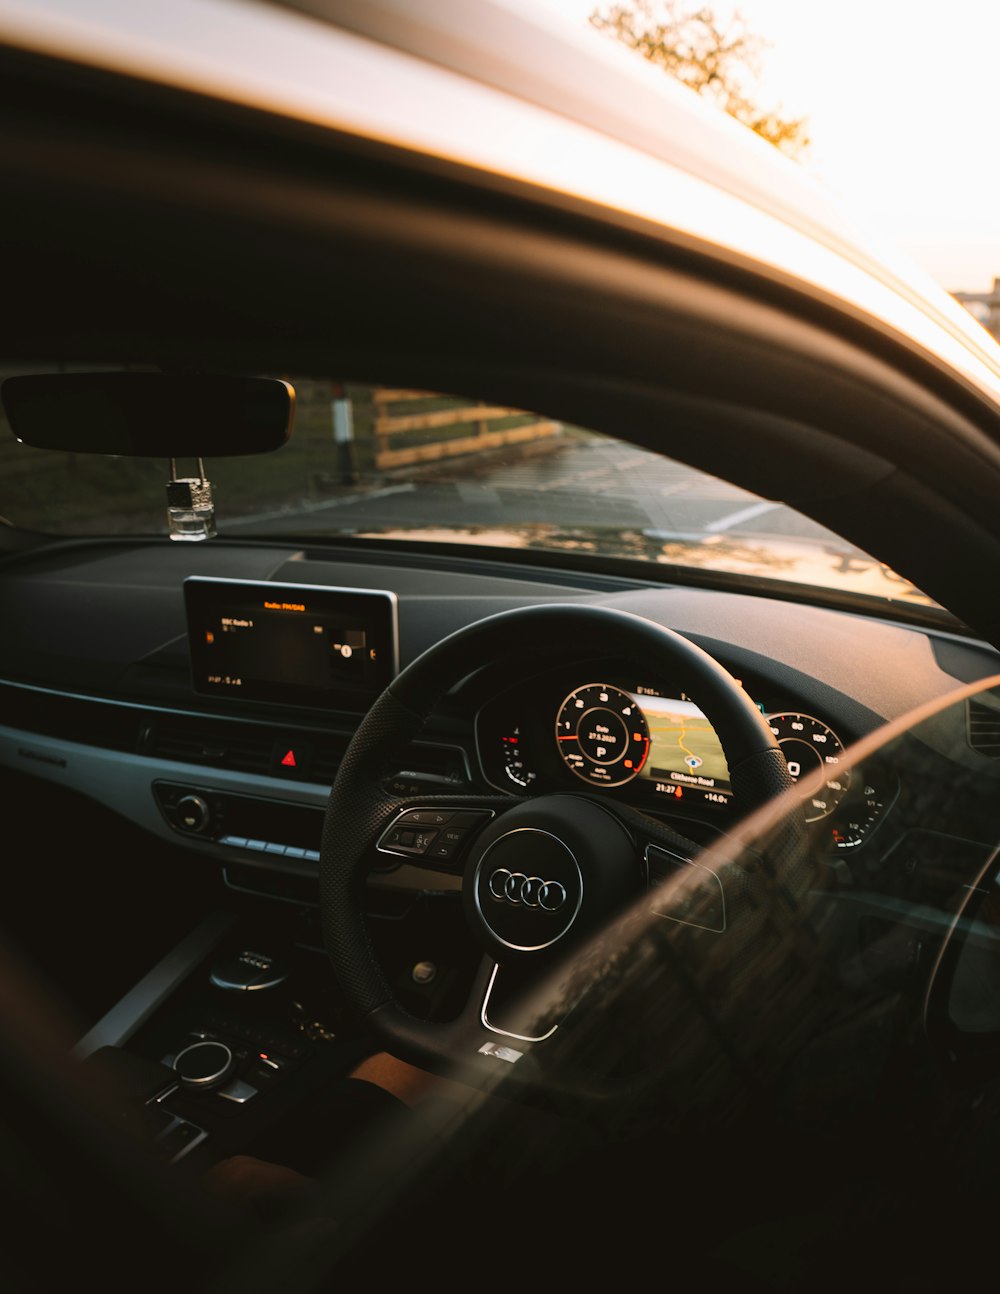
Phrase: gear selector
(249, 972)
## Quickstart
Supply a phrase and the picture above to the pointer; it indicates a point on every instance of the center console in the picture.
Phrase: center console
(232, 1043)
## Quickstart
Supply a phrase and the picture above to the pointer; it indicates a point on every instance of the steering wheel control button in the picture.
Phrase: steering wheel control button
(697, 897)
(204, 1065)
(462, 824)
(425, 817)
(439, 834)
(402, 840)
(516, 872)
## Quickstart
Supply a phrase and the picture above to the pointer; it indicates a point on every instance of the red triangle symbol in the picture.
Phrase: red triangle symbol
(289, 759)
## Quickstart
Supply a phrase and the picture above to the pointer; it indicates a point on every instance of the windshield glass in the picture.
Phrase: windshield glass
(375, 463)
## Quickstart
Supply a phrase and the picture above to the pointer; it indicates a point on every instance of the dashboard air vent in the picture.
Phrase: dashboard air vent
(984, 728)
(423, 760)
(208, 744)
(304, 755)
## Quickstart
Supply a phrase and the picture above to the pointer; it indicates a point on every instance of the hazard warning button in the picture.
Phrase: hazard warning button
(291, 758)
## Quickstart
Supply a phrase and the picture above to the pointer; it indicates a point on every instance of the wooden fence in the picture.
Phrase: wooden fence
(437, 432)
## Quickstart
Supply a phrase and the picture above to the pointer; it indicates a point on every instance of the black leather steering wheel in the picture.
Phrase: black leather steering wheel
(539, 875)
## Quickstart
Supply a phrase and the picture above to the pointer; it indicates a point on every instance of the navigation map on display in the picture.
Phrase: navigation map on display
(683, 745)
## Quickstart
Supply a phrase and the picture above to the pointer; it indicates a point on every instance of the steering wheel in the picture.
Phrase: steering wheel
(539, 876)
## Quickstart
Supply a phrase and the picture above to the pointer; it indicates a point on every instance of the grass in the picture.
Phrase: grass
(93, 494)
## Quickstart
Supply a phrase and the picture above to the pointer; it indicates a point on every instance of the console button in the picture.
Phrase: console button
(204, 1065)
(180, 1137)
(291, 758)
(191, 813)
(238, 1091)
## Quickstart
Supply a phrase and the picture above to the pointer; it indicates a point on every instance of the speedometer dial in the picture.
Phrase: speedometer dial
(814, 754)
(602, 735)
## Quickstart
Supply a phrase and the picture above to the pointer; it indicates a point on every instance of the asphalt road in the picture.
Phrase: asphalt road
(589, 494)
(584, 483)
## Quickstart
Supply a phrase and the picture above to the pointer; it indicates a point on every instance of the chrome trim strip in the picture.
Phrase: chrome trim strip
(505, 1033)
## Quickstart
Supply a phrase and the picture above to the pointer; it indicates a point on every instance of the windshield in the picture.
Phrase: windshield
(374, 463)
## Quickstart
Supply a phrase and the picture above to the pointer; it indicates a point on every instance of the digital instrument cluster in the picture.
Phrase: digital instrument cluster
(637, 742)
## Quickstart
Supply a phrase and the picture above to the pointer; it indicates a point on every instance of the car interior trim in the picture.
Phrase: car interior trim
(128, 1015)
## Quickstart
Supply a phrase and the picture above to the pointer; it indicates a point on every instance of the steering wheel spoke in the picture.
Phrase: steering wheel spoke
(683, 884)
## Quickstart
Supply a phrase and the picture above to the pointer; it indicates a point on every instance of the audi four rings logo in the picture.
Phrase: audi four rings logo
(527, 891)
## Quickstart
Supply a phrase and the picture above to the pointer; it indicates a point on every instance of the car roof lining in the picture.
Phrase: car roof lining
(595, 325)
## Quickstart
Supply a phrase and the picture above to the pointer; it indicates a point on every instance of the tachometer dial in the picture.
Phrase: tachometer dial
(602, 735)
(814, 754)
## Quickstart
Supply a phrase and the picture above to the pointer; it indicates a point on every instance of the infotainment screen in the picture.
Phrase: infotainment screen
(295, 644)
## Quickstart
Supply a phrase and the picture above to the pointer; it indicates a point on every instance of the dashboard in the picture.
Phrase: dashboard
(109, 688)
(188, 707)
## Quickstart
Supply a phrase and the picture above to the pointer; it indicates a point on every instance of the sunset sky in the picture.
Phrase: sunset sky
(901, 101)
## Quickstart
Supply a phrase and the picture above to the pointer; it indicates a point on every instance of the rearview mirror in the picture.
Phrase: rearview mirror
(150, 415)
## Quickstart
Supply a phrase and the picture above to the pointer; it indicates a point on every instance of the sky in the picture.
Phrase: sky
(902, 103)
